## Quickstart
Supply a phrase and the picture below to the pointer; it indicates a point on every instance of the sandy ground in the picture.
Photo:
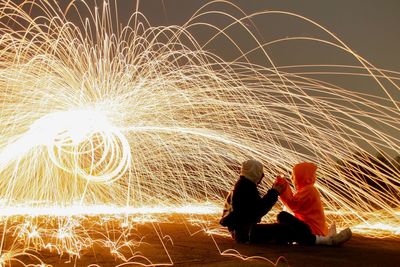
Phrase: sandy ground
(187, 244)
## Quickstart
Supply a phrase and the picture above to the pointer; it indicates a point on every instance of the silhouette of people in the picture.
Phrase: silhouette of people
(244, 208)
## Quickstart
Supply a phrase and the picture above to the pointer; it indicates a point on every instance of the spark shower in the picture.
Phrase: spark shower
(98, 114)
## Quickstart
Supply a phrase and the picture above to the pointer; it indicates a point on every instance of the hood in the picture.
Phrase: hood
(252, 170)
(304, 174)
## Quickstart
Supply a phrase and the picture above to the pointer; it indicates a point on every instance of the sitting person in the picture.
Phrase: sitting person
(244, 207)
(308, 225)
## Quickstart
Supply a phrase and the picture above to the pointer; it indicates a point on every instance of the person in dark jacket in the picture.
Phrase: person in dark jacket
(244, 207)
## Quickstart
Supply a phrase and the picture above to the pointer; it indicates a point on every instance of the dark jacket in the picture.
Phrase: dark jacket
(244, 204)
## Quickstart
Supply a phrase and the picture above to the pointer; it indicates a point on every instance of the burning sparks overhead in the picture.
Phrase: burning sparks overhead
(98, 114)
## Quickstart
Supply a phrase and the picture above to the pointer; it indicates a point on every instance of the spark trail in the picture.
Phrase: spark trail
(94, 113)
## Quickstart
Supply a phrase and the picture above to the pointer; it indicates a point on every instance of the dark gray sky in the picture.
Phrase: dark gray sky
(370, 27)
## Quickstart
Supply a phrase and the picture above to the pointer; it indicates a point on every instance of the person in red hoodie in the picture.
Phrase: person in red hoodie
(309, 220)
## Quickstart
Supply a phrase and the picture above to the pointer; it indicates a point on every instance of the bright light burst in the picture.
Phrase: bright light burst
(98, 114)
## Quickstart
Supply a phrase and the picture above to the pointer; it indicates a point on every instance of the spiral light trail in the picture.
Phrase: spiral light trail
(120, 118)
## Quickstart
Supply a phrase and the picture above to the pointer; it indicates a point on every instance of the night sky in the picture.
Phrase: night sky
(369, 27)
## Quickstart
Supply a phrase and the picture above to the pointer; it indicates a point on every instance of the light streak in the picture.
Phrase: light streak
(103, 125)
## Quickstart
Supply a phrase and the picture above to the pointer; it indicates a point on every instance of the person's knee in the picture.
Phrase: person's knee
(283, 216)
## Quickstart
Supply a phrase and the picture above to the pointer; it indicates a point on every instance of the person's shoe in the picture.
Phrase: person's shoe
(342, 237)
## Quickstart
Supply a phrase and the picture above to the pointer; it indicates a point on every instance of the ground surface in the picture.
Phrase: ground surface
(186, 244)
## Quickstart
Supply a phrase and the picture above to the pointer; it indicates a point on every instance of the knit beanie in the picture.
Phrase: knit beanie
(252, 170)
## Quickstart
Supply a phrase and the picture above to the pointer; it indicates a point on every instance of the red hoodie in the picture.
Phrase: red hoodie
(306, 202)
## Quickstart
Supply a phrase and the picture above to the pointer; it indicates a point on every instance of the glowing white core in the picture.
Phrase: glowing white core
(65, 133)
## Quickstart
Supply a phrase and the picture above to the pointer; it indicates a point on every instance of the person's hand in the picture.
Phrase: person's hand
(280, 184)
(279, 188)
